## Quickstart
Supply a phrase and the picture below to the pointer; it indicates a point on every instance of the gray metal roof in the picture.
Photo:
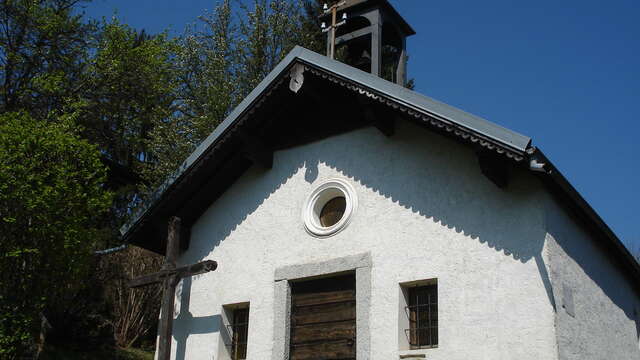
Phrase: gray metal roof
(414, 99)
(398, 94)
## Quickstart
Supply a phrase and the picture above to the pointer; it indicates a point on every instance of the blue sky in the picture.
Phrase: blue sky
(565, 73)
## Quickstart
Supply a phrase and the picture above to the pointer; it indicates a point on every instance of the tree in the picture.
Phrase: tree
(119, 81)
(221, 59)
(43, 48)
(207, 91)
(143, 103)
(51, 197)
(266, 31)
(129, 86)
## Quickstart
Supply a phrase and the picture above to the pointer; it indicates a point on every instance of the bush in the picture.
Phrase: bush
(51, 198)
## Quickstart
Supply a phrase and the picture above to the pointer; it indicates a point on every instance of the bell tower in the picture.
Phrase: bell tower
(371, 37)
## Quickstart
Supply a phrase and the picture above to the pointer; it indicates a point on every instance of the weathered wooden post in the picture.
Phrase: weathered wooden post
(169, 276)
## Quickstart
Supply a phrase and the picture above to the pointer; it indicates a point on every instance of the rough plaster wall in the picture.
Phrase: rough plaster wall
(425, 211)
(596, 307)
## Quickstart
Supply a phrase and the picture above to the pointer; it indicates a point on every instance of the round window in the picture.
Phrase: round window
(329, 208)
(332, 211)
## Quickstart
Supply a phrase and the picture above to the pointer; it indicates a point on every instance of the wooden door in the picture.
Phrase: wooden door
(323, 325)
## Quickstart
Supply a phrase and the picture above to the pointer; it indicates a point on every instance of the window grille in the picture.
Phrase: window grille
(239, 329)
(423, 316)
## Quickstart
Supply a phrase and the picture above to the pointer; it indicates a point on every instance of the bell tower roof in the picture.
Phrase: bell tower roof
(390, 13)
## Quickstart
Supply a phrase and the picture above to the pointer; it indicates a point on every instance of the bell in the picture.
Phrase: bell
(363, 59)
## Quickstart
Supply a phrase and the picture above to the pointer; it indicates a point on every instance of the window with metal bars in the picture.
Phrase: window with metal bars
(239, 329)
(422, 311)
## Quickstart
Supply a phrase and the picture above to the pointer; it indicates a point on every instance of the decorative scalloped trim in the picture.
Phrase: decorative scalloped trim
(446, 125)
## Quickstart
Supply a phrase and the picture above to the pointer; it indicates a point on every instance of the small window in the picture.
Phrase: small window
(239, 328)
(332, 211)
(422, 312)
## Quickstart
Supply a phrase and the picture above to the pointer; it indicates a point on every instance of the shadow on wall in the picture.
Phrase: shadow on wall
(594, 262)
(426, 173)
(186, 324)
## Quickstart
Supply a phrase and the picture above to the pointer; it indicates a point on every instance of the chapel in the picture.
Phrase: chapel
(353, 218)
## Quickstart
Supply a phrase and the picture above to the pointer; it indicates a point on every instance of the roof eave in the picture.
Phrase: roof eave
(130, 227)
(558, 179)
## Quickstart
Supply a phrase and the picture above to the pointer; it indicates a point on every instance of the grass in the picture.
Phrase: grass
(136, 354)
(105, 353)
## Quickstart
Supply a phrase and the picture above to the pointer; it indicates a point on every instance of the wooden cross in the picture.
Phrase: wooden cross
(333, 9)
(169, 276)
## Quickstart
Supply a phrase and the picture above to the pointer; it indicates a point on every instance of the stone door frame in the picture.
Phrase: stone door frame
(360, 263)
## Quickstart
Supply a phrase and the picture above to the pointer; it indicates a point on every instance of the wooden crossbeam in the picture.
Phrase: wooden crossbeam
(169, 277)
(354, 35)
(181, 272)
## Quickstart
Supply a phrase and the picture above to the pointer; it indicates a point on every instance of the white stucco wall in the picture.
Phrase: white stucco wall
(425, 211)
(597, 310)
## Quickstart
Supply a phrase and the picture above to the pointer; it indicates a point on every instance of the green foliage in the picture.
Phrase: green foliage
(129, 84)
(207, 91)
(268, 30)
(15, 332)
(129, 87)
(220, 60)
(76, 95)
(51, 198)
(43, 52)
